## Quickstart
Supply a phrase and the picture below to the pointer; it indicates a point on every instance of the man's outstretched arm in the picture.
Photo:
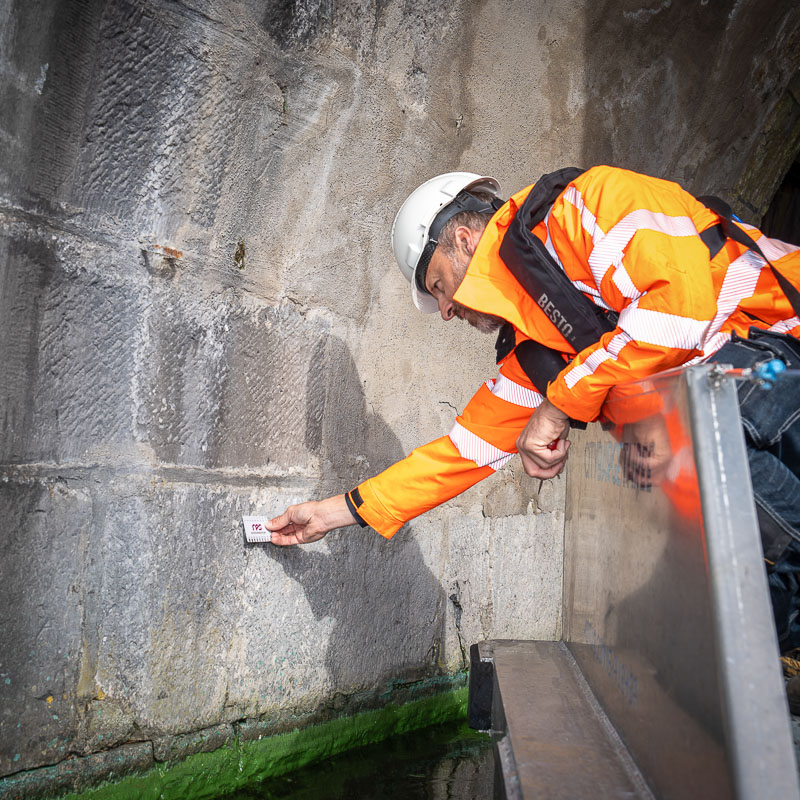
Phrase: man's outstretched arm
(309, 522)
(481, 441)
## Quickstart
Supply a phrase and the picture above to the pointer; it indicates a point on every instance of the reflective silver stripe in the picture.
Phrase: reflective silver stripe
(617, 343)
(773, 249)
(473, 448)
(590, 225)
(710, 347)
(609, 250)
(548, 242)
(661, 329)
(624, 282)
(739, 283)
(647, 327)
(515, 393)
(588, 219)
(588, 367)
(594, 294)
(785, 325)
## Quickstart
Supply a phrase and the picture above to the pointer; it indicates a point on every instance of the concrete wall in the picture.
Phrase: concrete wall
(200, 317)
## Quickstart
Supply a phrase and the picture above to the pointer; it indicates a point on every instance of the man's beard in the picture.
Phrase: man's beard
(485, 323)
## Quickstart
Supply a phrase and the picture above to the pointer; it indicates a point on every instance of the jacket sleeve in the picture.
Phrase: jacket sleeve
(645, 261)
(482, 440)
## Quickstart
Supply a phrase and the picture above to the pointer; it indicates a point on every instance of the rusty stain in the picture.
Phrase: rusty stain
(171, 252)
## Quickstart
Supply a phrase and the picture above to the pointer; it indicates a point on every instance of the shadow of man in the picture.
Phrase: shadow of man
(388, 608)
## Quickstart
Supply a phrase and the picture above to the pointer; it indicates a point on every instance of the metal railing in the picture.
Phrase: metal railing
(666, 607)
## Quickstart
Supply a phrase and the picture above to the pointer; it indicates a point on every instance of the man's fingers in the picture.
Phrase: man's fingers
(281, 521)
(555, 451)
(543, 473)
(301, 536)
(547, 455)
(284, 538)
(299, 524)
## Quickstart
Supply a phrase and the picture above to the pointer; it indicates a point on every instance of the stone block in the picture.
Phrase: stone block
(127, 113)
(231, 384)
(226, 383)
(176, 748)
(527, 575)
(68, 348)
(46, 530)
(171, 608)
(339, 618)
(79, 774)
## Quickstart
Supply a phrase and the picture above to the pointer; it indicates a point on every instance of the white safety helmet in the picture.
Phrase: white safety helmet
(414, 232)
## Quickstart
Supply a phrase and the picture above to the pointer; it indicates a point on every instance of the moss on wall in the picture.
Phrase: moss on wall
(243, 763)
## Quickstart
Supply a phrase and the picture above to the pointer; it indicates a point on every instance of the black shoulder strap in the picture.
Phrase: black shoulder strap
(577, 318)
(506, 341)
(539, 360)
(541, 364)
(714, 238)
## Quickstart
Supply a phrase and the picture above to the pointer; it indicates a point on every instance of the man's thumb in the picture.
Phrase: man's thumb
(279, 522)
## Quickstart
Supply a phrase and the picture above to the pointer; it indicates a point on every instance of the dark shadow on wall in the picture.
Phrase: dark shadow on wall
(680, 89)
(389, 609)
(782, 220)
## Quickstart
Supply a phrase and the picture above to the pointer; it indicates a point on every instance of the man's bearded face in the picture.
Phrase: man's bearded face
(485, 323)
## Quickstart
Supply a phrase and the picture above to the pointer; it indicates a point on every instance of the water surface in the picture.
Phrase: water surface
(443, 762)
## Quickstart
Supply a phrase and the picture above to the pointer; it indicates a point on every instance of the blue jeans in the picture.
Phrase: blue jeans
(771, 421)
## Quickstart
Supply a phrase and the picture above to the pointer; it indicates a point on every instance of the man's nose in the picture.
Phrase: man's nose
(447, 309)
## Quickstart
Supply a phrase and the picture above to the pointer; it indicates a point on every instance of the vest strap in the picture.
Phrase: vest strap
(577, 318)
(715, 237)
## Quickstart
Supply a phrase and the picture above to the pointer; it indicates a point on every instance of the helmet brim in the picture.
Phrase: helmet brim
(425, 302)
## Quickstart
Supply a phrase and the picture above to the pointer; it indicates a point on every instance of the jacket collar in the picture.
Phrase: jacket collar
(490, 288)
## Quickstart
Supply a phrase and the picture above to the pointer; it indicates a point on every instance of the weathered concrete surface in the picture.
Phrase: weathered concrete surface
(699, 92)
(148, 615)
(693, 91)
(200, 317)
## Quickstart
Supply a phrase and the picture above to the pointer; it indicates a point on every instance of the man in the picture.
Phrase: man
(594, 278)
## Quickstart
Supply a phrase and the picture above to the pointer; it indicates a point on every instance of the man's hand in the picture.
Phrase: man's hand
(646, 451)
(309, 522)
(547, 425)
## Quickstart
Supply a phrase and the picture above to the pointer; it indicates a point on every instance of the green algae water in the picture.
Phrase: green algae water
(423, 749)
(443, 761)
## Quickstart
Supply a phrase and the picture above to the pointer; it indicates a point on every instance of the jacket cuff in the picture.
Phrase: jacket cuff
(374, 514)
(583, 409)
(353, 500)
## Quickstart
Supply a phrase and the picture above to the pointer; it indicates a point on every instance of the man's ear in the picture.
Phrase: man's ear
(466, 240)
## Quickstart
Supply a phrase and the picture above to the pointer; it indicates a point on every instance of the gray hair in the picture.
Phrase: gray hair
(474, 220)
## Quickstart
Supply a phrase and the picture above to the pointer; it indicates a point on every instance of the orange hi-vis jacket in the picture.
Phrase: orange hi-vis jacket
(630, 243)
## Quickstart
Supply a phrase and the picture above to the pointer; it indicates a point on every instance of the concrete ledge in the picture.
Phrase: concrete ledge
(553, 738)
(172, 749)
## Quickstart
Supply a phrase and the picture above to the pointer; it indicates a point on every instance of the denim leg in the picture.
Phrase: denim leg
(771, 417)
(771, 421)
(776, 490)
(783, 579)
